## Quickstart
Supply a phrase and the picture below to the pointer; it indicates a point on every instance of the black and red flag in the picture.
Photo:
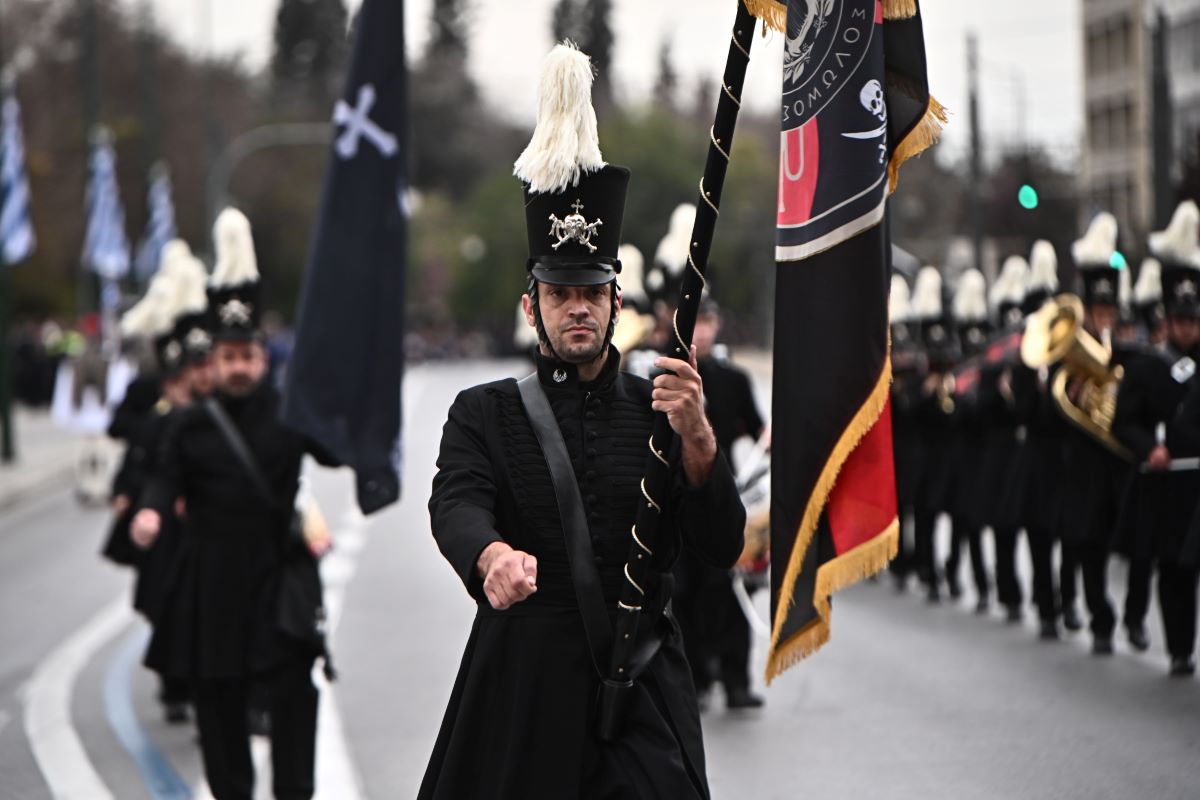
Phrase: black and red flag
(343, 379)
(856, 105)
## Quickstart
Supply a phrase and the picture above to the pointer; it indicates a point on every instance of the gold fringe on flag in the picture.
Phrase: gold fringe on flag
(899, 9)
(923, 136)
(772, 13)
(848, 568)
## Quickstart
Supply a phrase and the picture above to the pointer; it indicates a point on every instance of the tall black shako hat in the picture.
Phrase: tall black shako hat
(1099, 282)
(1043, 276)
(1179, 251)
(928, 310)
(234, 289)
(574, 202)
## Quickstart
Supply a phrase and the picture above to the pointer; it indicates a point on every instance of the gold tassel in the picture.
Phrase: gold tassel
(772, 13)
(923, 136)
(846, 570)
(864, 420)
(899, 9)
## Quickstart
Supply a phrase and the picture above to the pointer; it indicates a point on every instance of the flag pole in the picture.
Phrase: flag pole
(656, 483)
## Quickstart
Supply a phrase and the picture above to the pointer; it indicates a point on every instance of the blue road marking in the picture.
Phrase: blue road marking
(161, 778)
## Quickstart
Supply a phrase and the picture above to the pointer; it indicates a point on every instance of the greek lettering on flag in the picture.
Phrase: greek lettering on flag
(17, 240)
(106, 248)
(160, 228)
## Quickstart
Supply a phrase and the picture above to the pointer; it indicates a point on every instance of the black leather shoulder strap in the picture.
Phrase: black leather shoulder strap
(586, 579)
(241, 450)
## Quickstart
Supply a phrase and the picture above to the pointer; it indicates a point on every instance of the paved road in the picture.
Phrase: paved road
(907, 701)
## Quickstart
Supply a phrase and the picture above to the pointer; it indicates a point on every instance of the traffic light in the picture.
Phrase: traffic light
(1027, 196)
(1117, 260)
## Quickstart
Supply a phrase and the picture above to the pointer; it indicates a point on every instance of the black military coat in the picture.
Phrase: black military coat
(137, 423)
(729, 400)
(519, 720)
(1035, 489)
(1158, 507)
(937, 477)
(1000, 444)
(1185, 436)
(219, 616)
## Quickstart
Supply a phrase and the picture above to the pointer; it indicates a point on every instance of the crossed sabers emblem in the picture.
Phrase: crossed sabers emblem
(358, 125)
(574, 228)
(235, 312)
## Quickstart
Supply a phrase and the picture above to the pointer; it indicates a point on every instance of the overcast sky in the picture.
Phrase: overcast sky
(1029, 51)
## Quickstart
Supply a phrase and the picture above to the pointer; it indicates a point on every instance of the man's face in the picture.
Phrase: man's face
(704, 335)
(1184, 332)
(201, 376)
(1102, 318)
(240, 366)
(576, 319)
(176, 390)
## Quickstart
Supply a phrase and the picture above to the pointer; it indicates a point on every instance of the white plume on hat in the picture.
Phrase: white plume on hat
(236, 262)
(970, 298)
(672, 251)
(927, 294)
(898, 305)
(152, 315)
(1043, 267)
(1148, 288)
(1124, 287)
(633, 265)
(1179, 242)
(565, 142)
(1098, 244)
(1010, 286)
(191, 278)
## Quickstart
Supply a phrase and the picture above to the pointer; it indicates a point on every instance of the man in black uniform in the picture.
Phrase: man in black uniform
(1161, 499)
(907, 366)
(223, 623)
(1092, 475)
(716, 633)
(520, 720)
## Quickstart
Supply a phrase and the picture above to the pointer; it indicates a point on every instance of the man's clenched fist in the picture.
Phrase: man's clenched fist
(509, 576)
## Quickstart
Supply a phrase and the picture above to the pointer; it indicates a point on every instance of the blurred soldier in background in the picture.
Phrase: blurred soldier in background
(230, 621)
(1162, 497)
(716, 633)
(907, 370)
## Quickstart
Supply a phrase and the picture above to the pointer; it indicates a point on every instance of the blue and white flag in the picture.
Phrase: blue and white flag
(16, 226)
(106, 248)
(160, 228)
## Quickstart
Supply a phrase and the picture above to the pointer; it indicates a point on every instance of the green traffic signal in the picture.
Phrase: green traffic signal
(1117, 260)
(1027, 196)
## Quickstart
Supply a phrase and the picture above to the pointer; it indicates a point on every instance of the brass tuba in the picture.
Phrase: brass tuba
(1055, 333)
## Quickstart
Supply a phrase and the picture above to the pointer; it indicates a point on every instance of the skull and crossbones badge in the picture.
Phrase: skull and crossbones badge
(235, 312)
(872, 99)
(574, 228)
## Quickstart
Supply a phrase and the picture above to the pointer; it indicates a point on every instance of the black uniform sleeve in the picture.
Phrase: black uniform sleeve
(1183, 435)
(461, 508)
(750, 418)
(710, 518)
(1133, 421)
(164, 484)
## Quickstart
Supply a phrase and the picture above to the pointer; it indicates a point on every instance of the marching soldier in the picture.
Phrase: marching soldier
(1040, 470)
(1092, 475)
(999, 501)
(906, 377)
(534, 501)
(970, 312)
(1161, 499)
(934, 413)
(231, 622)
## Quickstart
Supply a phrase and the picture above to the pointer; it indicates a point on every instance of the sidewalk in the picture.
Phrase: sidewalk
(45, 458)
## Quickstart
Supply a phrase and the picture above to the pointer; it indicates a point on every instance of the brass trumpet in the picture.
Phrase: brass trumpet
(1055, 333)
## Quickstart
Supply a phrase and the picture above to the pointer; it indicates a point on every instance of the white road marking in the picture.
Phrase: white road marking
(56, 746)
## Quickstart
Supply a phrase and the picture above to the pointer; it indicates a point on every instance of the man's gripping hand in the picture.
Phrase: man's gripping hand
(509, 576)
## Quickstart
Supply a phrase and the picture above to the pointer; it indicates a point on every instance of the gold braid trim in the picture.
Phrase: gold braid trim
(866, 417)
(899, 9)
(772, 13)
(846, 570)
(923, 135)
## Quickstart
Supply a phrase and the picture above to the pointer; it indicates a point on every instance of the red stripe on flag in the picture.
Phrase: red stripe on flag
(863, 502)
(878, 12)
(799, 165)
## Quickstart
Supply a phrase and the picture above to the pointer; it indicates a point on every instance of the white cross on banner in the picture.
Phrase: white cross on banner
(358, 125)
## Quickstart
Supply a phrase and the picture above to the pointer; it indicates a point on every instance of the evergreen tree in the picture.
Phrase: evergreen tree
(667, 82)
(587, 23)
(310, 46)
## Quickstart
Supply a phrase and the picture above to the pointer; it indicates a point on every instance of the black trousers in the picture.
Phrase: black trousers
(1041, 552)
(1137, 592)
(1068, 580)
(716, 635)
(924, 550)
(973, 536)
(1008, 588)
(221, 715)
(902, 564)
(1092, 561)
(1177, 601)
